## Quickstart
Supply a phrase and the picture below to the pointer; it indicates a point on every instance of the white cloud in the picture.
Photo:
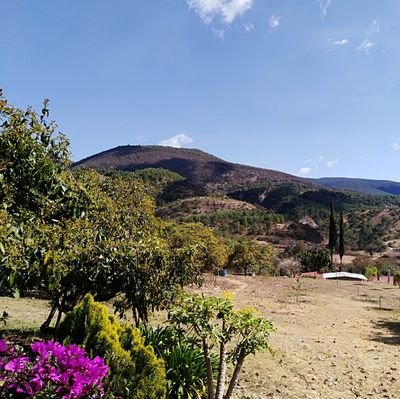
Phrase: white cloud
(219, 33)
(324, 5)
(375, 27)
(395, 146)
(226, 10)
(274, 22)
(321, 158)
(177, 141)
(368, 44)
(331, 164)
(341, 42)
(248, 27)
(304, 171)
(308, 160)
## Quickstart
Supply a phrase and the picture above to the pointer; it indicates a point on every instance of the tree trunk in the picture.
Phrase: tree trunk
(210, 377)
(45, 327)
(235, 375)
(221, 369)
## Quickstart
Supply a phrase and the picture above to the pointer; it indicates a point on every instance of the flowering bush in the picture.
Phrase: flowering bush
(53, 371)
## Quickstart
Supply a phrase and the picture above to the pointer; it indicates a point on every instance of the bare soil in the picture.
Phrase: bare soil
(332, 340)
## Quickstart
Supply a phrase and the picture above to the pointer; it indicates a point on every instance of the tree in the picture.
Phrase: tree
(314, 260)
(34, 161)
(247, 255)
(237, 334)
(211, 250)
(332, 233)
(341, 239)
(66, 234)
(289, 267)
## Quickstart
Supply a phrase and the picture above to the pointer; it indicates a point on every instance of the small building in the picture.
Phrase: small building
(344, 276)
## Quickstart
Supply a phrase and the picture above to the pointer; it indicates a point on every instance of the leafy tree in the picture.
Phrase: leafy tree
(332, 232)
(66, 234)
(247, 255)
(213, 321)
(211, 250)
(315, 260)
(34, 160)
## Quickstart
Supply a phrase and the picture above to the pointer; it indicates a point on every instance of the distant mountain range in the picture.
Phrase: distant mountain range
(365, 186)
(201, 168)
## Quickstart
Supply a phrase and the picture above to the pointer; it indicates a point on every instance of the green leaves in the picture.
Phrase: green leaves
(212, 321)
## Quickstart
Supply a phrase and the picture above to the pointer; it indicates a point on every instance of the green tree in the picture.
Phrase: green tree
(248, 255)
(211, 250)
(341, 239)
(315, 260)
(332, 233)
(67, 234)
(212, 321)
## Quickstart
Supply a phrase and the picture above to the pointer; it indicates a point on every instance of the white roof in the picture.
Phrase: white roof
(344, 275)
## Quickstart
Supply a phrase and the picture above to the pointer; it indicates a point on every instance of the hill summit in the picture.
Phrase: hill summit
(196, 166)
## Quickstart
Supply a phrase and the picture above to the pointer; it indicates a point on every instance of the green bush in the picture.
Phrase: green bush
(184, 362)
(135, 371)
(371, 271)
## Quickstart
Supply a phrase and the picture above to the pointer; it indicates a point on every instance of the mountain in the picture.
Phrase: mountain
(365, 186)
(199, 168)
(192, 186)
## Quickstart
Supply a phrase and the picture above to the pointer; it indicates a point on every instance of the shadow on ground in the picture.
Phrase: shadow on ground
(387, 332)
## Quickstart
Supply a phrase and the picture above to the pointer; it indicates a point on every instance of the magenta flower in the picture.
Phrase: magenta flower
(3, 346)
(57, 371)
(16, 365)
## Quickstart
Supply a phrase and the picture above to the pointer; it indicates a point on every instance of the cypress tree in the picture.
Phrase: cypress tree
(341, 239)
(332, 233)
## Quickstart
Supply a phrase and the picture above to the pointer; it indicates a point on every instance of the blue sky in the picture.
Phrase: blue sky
(309, 87)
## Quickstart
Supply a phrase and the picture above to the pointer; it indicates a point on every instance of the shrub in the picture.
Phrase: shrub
(396, 278)
(55, 371)
(371, 271)
(135, 371)
(184, 362)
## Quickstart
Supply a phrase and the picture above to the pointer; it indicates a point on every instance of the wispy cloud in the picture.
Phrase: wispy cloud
(395, 146)
(324, 5)
(368, 43)
(177, 141)
(315, 164)
(331, 164)
(274, 21)
(248, 27)
(226, 10)
(305, 171)
(219, 33)
(341, 42)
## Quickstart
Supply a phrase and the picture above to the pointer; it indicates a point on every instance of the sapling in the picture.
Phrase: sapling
(213, 323)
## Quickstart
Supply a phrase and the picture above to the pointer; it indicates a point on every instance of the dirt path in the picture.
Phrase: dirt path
(331, 341)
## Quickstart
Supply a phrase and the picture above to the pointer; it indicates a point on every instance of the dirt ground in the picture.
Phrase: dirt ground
(332, 340)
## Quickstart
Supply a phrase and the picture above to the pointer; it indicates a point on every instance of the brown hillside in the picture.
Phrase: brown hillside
(196, 166)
